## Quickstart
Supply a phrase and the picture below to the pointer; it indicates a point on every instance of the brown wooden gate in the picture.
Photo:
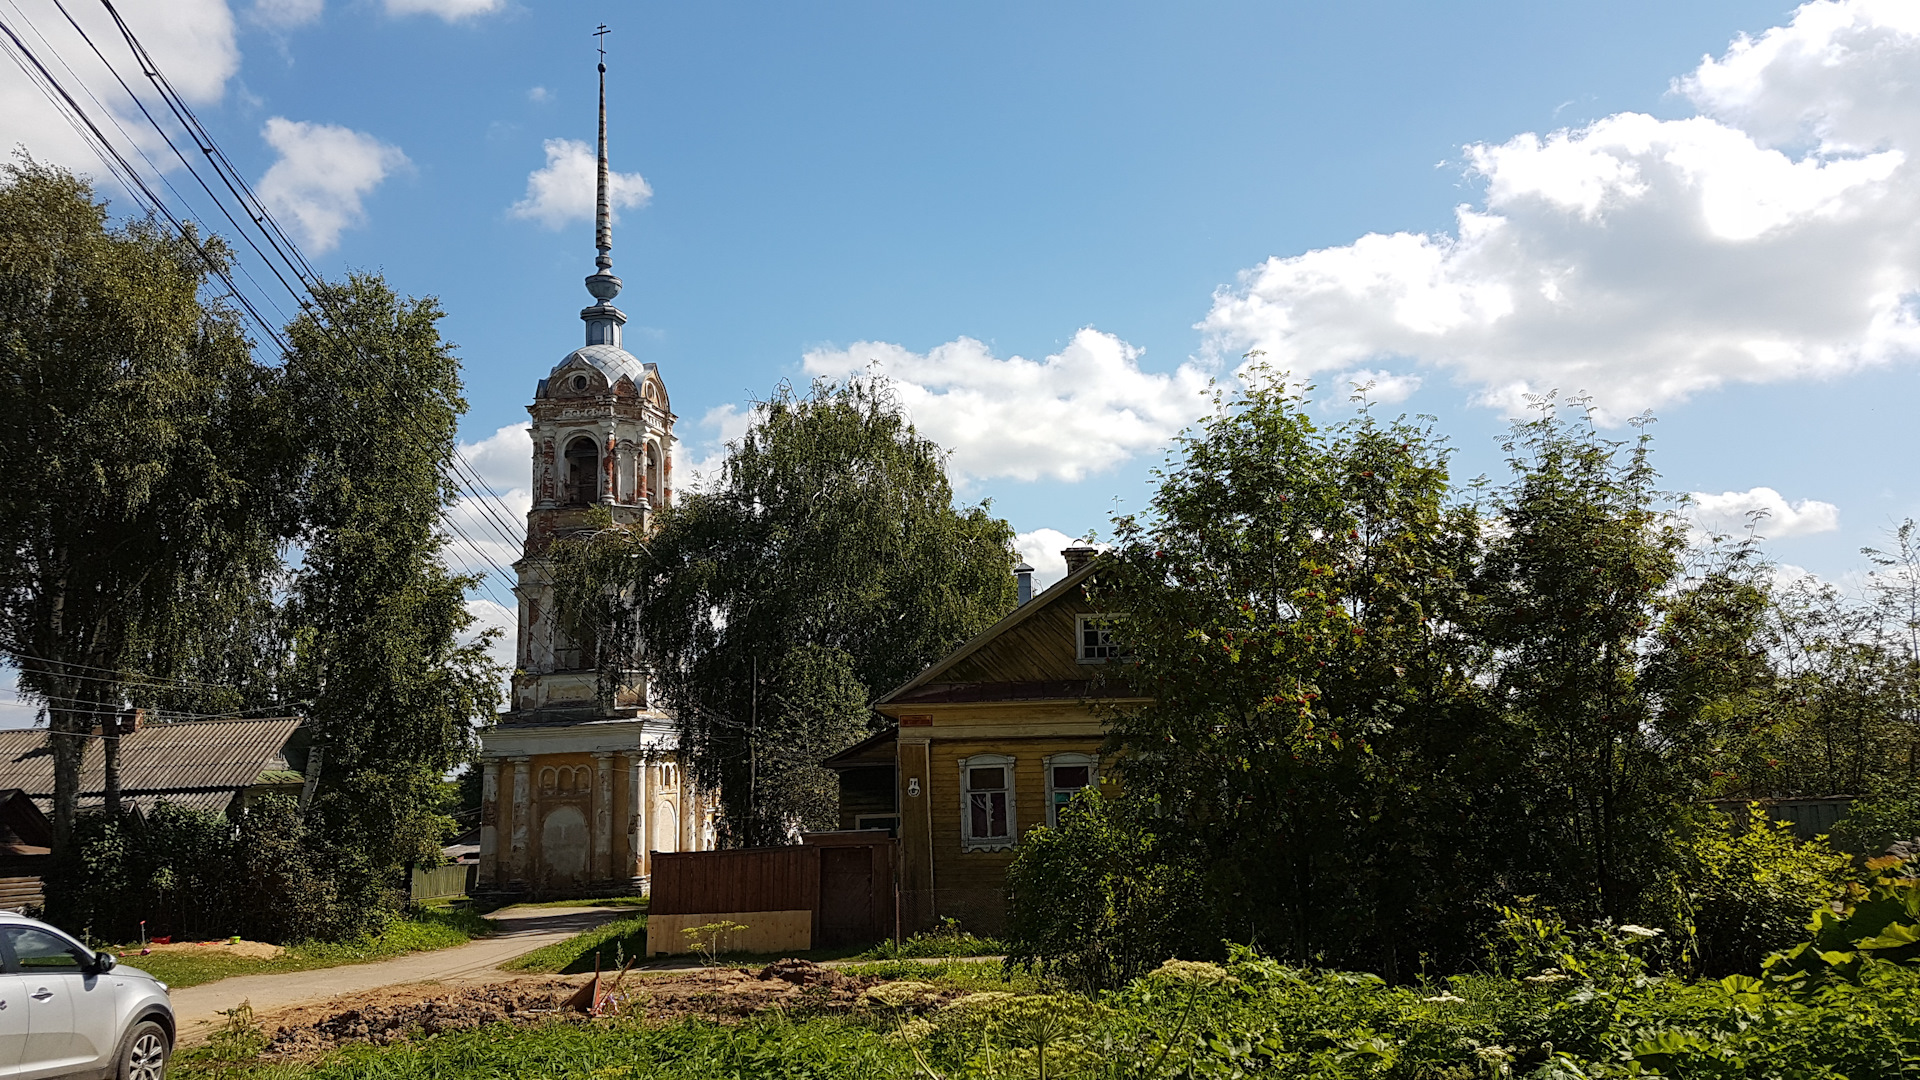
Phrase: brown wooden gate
(856, 886)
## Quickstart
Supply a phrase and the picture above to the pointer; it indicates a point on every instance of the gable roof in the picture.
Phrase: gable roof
(1066, 587)
(867, 751)
(202, 762)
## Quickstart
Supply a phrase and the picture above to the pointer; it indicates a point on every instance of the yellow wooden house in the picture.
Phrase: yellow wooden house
(989, 742)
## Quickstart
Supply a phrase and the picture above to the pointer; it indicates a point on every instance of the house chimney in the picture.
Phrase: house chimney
(1079, 555)
(1023, 574)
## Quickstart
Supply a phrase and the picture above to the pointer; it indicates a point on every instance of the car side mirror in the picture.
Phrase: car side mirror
(104, 962)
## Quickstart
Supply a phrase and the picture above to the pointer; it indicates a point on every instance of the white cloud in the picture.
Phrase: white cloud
(724, 424)
(1729, 512)
(504, 461)
(192, 41)
(539, 94)
(490, 615)
(564, 189)
(1085, 409)
(323, 172)
(1834, 77)
(286, 14)
(1774, 236)
(450, 10)
(1380, 387)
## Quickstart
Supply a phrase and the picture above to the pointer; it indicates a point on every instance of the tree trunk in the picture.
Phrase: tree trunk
(112, 726)
(66, 738)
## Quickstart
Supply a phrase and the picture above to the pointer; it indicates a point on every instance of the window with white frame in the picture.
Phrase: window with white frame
(986, 806)
(1094, 638)
(1067, 774)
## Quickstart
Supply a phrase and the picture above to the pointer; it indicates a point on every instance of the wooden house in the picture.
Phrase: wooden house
(216, 765)
(989, 742)
(26, 837)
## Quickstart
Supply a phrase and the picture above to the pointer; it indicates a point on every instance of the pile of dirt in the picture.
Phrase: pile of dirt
(395, 1013)
(807, 973)
(253, 950)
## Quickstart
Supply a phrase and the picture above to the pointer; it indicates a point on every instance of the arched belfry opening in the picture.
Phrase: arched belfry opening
(583, 472)
(653, 472)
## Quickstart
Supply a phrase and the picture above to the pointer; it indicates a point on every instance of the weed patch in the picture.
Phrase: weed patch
(615, 942)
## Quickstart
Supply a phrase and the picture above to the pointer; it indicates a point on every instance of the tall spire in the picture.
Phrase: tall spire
(603, 319)
(603, 216)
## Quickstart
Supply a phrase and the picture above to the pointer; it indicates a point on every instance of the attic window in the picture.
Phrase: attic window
(1093, 636)
(579, 383)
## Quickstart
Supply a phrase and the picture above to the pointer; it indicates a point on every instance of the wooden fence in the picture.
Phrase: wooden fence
(442, 881)
(736, 879)
(1809, 817)
(834, 888)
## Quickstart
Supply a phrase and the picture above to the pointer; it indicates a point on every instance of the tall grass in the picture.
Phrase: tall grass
(615, 942)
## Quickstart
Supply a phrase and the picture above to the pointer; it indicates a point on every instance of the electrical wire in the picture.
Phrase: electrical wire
(128, 677)
(492, 509)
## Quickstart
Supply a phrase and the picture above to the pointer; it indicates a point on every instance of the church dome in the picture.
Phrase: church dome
(611, 361)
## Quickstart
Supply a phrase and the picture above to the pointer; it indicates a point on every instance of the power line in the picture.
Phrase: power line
(124, 676)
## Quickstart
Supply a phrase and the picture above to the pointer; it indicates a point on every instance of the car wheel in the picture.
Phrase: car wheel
(144, 1055)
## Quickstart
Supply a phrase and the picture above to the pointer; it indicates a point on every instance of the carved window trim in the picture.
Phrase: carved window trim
(995, 805)
(1058, 796)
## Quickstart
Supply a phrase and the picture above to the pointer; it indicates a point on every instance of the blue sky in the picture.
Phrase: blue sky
(1703, 209)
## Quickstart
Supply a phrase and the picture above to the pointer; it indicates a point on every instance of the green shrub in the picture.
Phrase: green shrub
(1875, 925)
(1885, 817)
(1745, 893)
(191, 874)
(948, 939)
(1096, 901)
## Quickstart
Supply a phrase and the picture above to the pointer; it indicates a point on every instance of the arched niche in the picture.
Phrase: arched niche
(565, 843)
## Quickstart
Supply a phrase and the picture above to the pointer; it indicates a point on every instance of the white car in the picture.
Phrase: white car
(66, 1010)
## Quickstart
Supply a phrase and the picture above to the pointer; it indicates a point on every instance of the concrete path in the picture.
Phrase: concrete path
(198, 1009)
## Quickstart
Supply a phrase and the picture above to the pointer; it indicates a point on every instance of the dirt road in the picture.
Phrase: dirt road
(522, 930)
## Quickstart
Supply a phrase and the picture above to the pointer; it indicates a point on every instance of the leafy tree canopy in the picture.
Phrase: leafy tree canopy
(827, 562)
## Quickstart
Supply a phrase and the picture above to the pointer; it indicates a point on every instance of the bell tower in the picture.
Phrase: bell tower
(602, 438)
(578, 789)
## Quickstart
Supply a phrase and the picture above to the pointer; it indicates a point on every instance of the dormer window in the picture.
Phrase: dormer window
(583, 472)
(1093, 636)
(579, 384)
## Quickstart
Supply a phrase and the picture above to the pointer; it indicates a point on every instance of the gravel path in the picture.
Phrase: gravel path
(522, 930)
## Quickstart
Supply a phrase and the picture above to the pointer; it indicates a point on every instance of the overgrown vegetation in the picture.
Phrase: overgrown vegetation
(1384, 707)
(192, 874)
(1549, 1002)
(947, 939)
(419, 931)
